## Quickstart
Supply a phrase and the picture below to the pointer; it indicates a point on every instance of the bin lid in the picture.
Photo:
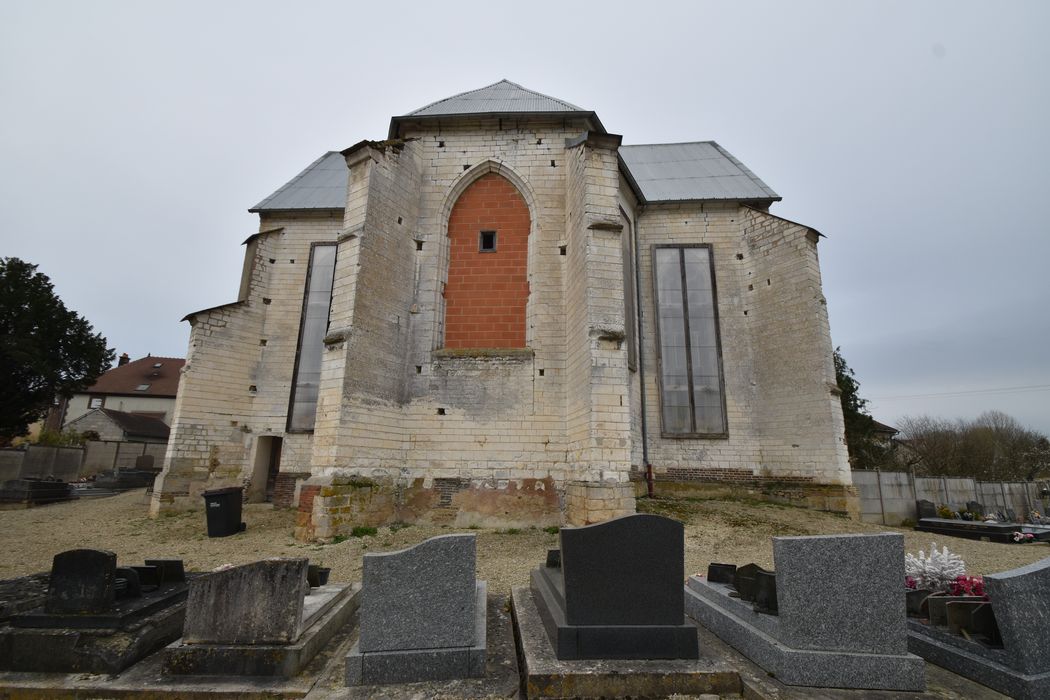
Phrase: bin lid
(220, 492)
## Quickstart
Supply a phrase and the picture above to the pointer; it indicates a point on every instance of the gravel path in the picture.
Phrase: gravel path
(736, 532)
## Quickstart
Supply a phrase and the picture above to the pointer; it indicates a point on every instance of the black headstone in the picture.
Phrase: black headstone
(721, 573)
(171, 570)
(1011, 516)
(766, 592)
(625, 571)
(554, 558)
(82, 581)
(149, 576)
(132, 587)
(744, 581)
(926, 509)
(975, 507)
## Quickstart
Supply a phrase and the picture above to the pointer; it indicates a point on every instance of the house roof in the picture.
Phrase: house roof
(698, 171)
(159, 381)
(321, 185)
(136, 425)
(503, 98)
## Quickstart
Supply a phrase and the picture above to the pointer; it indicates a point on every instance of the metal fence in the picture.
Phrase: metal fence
(889, 497)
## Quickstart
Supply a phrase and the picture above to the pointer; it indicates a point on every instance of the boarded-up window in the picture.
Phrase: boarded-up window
(317, 300)
(692, 396)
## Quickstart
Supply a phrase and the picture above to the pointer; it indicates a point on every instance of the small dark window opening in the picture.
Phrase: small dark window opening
(563, 249)
(441, 144)
(273, 260)
(552, 164)
(419, 369)
(419, 245)
(487, 241)
(441, 411)
(541, 372)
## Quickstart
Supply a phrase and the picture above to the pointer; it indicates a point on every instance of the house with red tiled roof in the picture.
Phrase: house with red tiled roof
(143, 387)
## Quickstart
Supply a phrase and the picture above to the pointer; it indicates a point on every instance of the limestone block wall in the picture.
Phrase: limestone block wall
(237, 378)
(783, 422)
(799, 414)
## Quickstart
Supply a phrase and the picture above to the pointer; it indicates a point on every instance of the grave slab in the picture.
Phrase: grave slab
(547, 676)
(1020, 604)
(423, 615)
(841, 621)
(617, 594)
(74, 631)
(328, 608)
(257, 603)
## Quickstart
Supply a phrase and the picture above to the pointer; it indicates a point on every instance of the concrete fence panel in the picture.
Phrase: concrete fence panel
(11, 464)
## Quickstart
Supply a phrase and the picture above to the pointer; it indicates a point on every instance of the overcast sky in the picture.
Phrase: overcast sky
(915, 135)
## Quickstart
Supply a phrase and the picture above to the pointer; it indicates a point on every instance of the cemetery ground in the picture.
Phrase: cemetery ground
(723, 530)
(729, 531)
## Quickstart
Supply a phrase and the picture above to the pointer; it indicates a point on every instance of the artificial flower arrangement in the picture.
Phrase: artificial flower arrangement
(936, 572)
(1023, 537)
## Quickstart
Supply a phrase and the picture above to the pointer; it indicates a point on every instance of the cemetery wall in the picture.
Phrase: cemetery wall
(10, 464)
(889, 497)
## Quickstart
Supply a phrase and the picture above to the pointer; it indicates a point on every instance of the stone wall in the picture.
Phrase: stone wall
(237, 378)
(784, 421)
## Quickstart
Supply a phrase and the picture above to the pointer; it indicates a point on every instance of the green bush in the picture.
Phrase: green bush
(363, 531)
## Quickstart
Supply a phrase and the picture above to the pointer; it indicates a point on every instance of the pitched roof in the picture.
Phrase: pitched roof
(161, 381)
(700, 171)
(136, 425)
(501, 98)
(321, 185)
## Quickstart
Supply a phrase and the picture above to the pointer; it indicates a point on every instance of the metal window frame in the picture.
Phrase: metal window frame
(302, 327)
(688, 354)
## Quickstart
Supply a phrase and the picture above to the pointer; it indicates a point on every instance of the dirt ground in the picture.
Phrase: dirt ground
(735, 532)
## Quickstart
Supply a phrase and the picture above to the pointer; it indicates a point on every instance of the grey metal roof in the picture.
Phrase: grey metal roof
(322, 185)
(674, 172)
(499, 99)
(503, 96)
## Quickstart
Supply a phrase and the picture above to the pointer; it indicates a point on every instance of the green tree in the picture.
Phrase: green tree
(46, 350)
(866, 451)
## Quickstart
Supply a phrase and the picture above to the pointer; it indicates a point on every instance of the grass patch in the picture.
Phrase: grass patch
(339, 538)
(363, 531)
(394, 527)
(552, 530)
(509, 531)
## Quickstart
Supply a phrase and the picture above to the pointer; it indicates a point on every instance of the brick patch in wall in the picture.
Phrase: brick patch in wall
(284, 488)
(726, 475)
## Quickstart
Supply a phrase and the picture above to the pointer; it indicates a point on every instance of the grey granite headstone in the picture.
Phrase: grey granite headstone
(859, 578)
(1021, 601)
(841, 620)
(82, 581)
(423, 615)
(422, 597)
(257, 603)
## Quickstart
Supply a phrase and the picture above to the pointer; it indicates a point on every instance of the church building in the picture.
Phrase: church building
(501, 315)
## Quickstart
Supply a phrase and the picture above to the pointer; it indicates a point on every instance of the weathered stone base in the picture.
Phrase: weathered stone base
(89, 650)
(589, 502)
(831, 498)
(413, 665)
(322, 620)
(755, 636)
(331, 506)
(546, 676)
(976, 662)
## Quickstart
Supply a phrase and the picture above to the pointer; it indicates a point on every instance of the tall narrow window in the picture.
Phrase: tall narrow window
(317, 300)
(630, 316)
(692, 396)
